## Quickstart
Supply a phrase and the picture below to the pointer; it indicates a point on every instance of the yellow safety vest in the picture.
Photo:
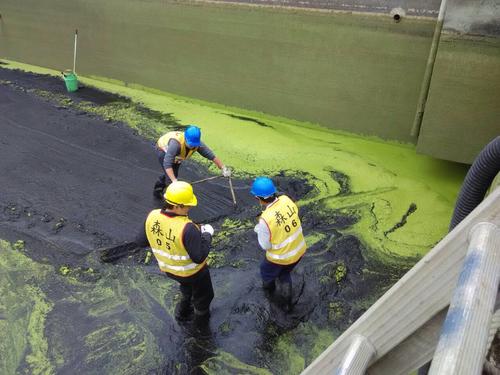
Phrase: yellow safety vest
(165, 238)
(179, 137)
(287, 241)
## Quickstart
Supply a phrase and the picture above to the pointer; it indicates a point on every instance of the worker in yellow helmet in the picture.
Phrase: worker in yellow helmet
(174, 147)
(279, 232)
(181, 249)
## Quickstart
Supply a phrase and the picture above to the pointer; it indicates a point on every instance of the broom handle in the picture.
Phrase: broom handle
(232, 191)
(206, 179)
(74, 51)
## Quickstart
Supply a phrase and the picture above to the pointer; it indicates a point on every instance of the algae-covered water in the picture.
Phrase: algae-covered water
(370, 210)
(356, 72)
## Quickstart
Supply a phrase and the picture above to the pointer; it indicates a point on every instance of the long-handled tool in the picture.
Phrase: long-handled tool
(74, 51)
(206, 179)
(233, 196)
(232, 190)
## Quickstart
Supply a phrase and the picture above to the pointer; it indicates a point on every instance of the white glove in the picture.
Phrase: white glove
(207, 228)
(256, 228)
(226, 172)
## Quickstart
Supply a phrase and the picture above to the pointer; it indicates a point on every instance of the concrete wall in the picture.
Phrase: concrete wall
(463, 109)
(359, 73)
(473, 17)
(356, 72)
(427, 8)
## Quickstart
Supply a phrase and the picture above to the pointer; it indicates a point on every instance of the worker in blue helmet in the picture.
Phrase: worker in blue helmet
(176, 146)
(279, 232)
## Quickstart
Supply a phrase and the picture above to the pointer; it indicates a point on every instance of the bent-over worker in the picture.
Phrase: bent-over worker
(175, 147)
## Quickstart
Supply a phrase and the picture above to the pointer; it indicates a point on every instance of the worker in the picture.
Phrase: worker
(174, 147)
(181, 249)
(279, 232)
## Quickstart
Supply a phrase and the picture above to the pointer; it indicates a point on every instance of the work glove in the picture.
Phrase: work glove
(226, 172)
(207, 228)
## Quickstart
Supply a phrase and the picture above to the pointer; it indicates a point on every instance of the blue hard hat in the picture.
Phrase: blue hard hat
(192, 135)
(263, 187)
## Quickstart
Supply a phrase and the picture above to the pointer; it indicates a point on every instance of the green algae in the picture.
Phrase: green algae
(37, 359)
(225, 328)
(35, 326)
(340, 272)
(226, 364)
(313, 238)
(333, 271)
(123, 336)
(291, 355)
(230, 224)
(216, 259)
(64, 270)
(293, 350)
(105, 340)
(18, 245)
(335, 311)
(23, 308)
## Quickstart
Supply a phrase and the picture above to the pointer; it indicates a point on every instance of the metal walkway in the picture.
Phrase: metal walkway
(441, 310)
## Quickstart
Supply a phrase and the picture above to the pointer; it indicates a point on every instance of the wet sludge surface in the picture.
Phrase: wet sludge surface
(75, 180)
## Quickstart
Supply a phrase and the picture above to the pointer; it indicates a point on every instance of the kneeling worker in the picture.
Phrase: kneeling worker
(279, 232)
(181, 249)
(174, 147)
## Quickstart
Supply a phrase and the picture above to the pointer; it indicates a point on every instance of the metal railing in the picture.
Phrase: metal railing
(400, 332)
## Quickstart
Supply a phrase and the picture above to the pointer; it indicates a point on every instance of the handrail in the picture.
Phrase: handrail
(416, 298)
(463, 343)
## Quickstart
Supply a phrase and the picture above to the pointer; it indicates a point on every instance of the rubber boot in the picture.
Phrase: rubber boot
(269, 287)
(183, 310)
(287, 295)
(202, 315)
(201, 318)
(201, 324)
(158, 189)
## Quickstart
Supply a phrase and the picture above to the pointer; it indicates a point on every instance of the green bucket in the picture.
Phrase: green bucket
(71, 80)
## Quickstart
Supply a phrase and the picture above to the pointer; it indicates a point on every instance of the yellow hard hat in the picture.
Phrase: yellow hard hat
(180, 193)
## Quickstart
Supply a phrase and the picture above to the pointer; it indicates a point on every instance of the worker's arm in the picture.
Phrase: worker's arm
(205, 151)
(263, 234)
(197, 244)
(218, 163)
(173, 149)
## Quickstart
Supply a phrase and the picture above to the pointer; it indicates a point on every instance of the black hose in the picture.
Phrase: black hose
(477, 181)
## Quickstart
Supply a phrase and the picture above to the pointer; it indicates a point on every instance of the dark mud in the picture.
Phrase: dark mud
(73, 181)
(402, 222)
(249, 119)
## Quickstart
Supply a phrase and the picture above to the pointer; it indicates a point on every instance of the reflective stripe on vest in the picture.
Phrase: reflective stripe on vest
(287, 239)
(169, 256)
(185, 152)
(164, 267)
(164, 234)
(292, 238)
(290, 254)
